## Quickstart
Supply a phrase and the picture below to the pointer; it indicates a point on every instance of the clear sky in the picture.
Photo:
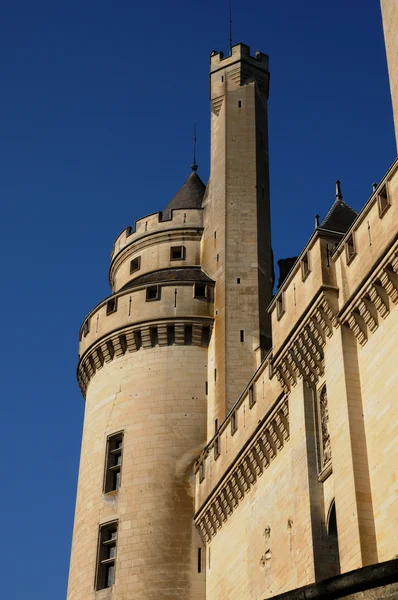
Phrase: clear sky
(97, 103)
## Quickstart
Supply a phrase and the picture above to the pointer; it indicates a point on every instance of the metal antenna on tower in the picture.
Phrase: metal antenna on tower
(194, 166)
(230, 26)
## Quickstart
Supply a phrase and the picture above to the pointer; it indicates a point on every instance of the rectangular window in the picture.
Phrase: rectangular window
(252, 397)
(216, 447)
(201, 471)
(239, 103)
(199, 560)
(113, 466)
(280, 306)
(383, 201)
(234, 423)
(200, 290)
(152, 293)
(350, 248)
(135, 264)
(177, 253)
(111, 306)
(305, 267)
(242, 335)
(105, 576)
(86, 327)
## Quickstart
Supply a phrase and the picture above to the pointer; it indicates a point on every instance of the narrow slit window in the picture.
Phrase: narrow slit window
(111, 306)
(200, 290)
(350, 249)
(216, 447)
(86, 327)
(383, 201)
(201, 471)
(305, 267)
(107, 540)
(152, 293)
(177, 253)
(135, 264)
(199, 560)
(113, 466)
(234, 423)
(242, 335)
(238, 280)
(239, 103)
(280, 306)
(252, 397)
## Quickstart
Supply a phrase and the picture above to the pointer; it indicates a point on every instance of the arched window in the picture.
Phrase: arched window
(332, 562)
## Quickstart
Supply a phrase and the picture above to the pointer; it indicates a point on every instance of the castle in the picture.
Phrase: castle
(237, 443)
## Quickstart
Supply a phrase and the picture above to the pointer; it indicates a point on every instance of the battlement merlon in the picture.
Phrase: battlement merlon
(238, 69)
(239, 53)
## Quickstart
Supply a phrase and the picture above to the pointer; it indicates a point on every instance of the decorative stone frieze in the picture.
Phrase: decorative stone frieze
(139, 336)
(262, 449)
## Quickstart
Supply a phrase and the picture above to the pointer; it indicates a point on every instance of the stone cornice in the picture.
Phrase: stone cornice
(264, 445)
(164, 332)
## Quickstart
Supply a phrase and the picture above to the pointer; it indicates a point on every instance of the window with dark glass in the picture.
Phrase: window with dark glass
(111, 306)
(152, 293)
(350, 248)
(177, 253)
(86, 327)
(383, 201)
(280, 306)
(200, 290)
(252, 398)
(113, 466)
(305, 267)
(135, 264)
(106, 556)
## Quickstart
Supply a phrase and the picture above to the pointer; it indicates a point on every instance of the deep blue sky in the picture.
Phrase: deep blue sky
(97, 104)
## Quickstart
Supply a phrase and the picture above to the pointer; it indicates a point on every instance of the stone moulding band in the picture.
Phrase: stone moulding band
(146, 335)
(267, 442)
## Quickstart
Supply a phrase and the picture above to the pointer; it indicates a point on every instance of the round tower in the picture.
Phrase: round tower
(143, 369)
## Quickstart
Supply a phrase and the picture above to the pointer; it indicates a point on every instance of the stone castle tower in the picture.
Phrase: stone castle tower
(238, 444)
(153, 362)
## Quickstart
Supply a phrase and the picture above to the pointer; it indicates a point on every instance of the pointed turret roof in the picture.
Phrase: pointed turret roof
(341, 216)
(189, 196)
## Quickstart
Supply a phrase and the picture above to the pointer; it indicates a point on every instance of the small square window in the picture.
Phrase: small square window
(383, 201)
(107, 539)
(200, 290)
(113, 462)
(280, 306)
(305, 267)
(252, 398)
(177, 253)
(234, 423)
(152, 293)
(135, 264)
(111, 306)
(350, 249)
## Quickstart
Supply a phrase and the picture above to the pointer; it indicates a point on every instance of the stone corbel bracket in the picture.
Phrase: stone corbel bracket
(303, 356)
(262, 449)
(375, 299)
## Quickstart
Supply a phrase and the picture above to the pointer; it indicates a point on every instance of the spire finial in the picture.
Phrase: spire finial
(194, 165)
(230, 26)
(339, 195)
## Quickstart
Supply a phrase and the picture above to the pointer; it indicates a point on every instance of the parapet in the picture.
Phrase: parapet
(241, 53)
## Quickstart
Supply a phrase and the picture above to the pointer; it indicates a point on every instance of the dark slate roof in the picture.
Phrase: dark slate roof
(166, 275)
(340, 217)
(189, 196)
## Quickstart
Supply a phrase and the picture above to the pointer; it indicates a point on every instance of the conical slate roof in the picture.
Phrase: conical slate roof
(340, 217)
(189, 196)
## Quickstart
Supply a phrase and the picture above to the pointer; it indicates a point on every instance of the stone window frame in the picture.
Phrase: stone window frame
(133, 269)
(106, 555)
(147, 293)
(196, 286)
(305, 266)
(111, 306)
(252, 396)
(86, 327)
(350, 248)
(174, 249)
(113, 466)
(280, 306)
(383, 200)
(323, 434)
(234, 422)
